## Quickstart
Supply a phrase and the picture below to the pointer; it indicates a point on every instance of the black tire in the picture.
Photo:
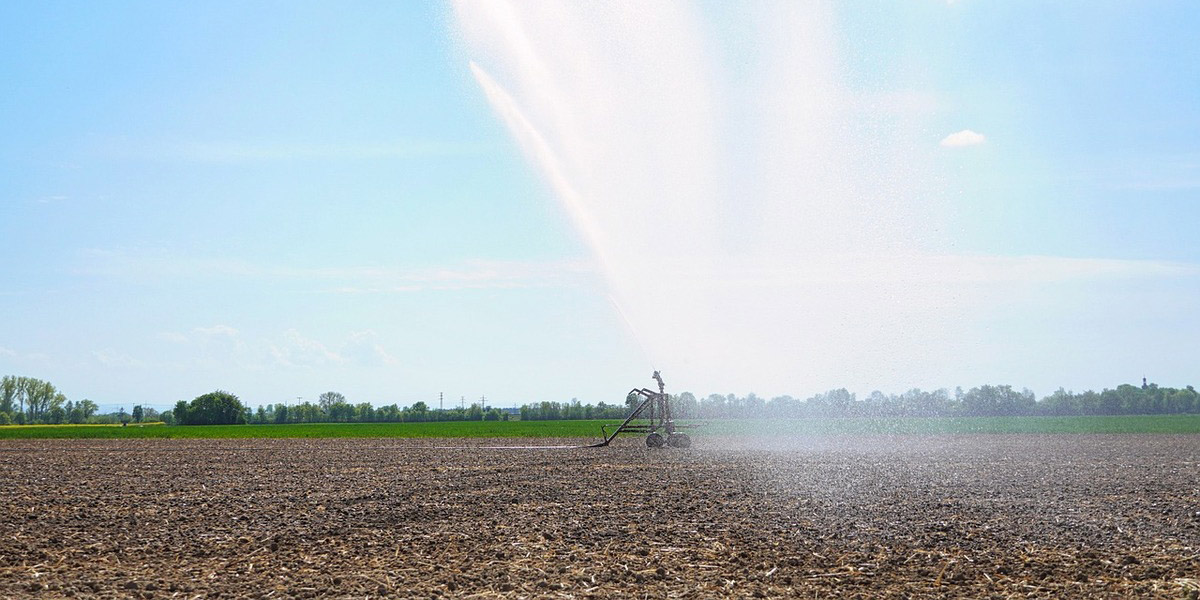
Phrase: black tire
(654, 441)
(679, 440)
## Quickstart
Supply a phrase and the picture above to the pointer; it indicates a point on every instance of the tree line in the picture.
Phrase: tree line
(982, 401)
(331, 407)
(29, 400)
(26, 400)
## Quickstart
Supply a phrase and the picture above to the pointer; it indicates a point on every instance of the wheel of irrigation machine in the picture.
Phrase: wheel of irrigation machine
(679, 440)
(654, 440)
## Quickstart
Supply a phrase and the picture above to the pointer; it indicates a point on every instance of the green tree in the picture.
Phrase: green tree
(8, 395)
(89, 408)
(340, 412)
(419, 411)
(138, 413)
(364, 412)
(328, 399)
(214, 408)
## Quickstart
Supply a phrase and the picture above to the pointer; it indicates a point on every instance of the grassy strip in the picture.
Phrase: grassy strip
(446, 429)
(1177, 424)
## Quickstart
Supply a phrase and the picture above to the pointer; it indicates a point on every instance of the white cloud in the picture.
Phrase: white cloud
(174, 337)
(216, 331)
(469, 274)
(7, 352)
(295, 350)
(267, 150)
(364, 348)
(963, 138)
(112, 358)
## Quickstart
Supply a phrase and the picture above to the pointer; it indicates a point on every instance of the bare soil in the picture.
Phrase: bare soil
(967, 516)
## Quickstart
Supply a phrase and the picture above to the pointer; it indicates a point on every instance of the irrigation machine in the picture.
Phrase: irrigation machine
(652, 416)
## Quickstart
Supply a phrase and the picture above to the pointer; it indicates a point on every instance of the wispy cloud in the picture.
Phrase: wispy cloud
(222, 346)
(11, 354)
(249, 151)
(114, 359)
(1154, 172)
(364, 347)
(962, 139)
(946, 269)
(149, 267)
(296, 350)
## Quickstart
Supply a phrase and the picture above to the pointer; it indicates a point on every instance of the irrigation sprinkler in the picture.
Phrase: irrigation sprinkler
(652, 416)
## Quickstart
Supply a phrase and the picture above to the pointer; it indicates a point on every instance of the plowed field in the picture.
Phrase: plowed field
(970, 516)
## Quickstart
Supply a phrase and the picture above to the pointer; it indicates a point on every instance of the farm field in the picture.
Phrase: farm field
(820, 516)
(591, 428)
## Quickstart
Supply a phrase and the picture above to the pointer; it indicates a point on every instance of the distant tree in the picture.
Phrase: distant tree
(281, 414)
(89, 409)
(997, 400)
(30, 400)
(632, 400)
(214, 408)
(138, 413)
(419, 411)
(713, 407)
(388, 414)
(328, 399)
(364, 412)
(686, 405)
(340, 412)
(8, 395)
(180, 412)
(307, 412)
(168, 417)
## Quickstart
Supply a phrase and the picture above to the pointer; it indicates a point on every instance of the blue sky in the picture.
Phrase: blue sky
(280, 199)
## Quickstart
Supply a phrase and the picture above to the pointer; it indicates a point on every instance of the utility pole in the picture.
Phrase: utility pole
(439, 401)
(462, 403)
(482, 407)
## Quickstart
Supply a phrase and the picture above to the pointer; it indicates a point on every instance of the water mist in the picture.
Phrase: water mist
(756, 231)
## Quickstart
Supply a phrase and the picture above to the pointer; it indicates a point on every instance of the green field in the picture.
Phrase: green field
(1188, 424)
(445, 429)
(962, 425)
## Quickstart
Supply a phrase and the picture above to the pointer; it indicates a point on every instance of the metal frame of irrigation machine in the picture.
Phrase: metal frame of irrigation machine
(653, 414)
